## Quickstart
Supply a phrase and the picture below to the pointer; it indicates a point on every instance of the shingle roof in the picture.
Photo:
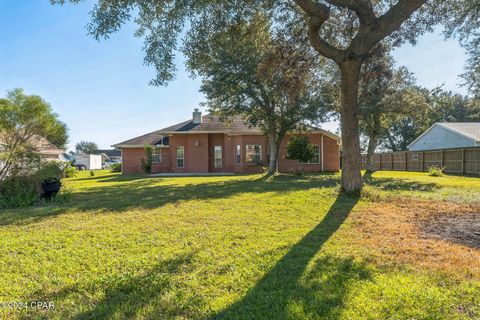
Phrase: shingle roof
(210, 124)
(468, 129)
(213, 124)
(42, 146)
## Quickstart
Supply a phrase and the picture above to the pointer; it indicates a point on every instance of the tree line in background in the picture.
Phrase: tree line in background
(86, 147)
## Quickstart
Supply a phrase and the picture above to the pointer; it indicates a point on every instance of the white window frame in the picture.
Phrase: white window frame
(238, 154)
(180, 158)
(215, 159)
(157, 155)
(247, 147)
(317, 152)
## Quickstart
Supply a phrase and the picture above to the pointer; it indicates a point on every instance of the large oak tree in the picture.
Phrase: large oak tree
(343, 31)
(266, 79)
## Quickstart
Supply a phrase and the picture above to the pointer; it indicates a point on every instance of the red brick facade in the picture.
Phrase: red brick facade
(199, 154)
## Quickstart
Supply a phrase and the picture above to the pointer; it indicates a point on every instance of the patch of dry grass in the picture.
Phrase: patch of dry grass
(409, 232)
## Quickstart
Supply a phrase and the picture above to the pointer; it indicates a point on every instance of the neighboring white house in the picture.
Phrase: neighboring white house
(90, 161)
(43, 148)
(447, 135)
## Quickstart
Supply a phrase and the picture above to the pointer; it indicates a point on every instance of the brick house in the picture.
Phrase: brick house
(206, 144)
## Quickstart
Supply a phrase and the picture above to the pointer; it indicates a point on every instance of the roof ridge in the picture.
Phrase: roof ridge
(210, 124)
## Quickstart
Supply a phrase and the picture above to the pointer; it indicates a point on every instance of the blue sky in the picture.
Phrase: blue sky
(100, 89)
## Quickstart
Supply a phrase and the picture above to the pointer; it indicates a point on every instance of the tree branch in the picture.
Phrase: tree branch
(313, 8)
(362, 8)
(384, 25)
(323, 47)
(318, 13)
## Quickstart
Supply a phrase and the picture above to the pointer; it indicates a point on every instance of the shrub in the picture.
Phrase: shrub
(69, 171)
(19, 192)
(116, 167)
(92, 174)
(299, 148)
(24, 190)
(64, 195)
(147, 164)
(49, 170)
(435, 171)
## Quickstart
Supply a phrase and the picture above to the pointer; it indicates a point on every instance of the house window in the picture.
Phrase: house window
(238, 154)
(316, 155)
(218, 156)
(156, 155)
(253, 153)
(165, 141)
(180, 157)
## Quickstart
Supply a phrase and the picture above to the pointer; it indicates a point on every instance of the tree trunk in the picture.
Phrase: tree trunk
(372, 146)
(392, 143)
(273, 144)
(352, 161)
(373, 140)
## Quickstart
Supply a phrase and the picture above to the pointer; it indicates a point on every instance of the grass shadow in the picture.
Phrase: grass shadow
(150, 193)
(281, 287)
(130, 296)
(392, 184)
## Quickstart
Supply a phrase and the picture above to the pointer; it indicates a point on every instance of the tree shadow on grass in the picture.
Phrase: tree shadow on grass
(129, 296)
(281, 289)
(150, 193)
(392, 184)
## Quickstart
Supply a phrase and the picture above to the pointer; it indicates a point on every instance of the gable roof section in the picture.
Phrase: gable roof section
(210, 124)
(42, 146)
(469, 130)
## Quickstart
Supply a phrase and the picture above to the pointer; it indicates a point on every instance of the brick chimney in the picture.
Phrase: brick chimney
(197, 116)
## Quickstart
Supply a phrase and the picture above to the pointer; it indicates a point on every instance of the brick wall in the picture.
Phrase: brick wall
(164, 165)
(131, 160)
(199, 154)
(196, 152)
(331, 156)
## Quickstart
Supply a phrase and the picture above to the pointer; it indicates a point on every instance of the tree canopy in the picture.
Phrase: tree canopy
(22, 117)
(386, 93)
(87, 147)
(462, 19)
(266, 79)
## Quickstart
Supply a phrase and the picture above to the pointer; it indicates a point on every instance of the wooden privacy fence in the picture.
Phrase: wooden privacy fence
(464, 161)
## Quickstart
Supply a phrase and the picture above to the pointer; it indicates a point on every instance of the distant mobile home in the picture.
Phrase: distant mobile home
(90, 161)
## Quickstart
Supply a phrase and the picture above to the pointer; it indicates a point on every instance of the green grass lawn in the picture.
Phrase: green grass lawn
(239, 247)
